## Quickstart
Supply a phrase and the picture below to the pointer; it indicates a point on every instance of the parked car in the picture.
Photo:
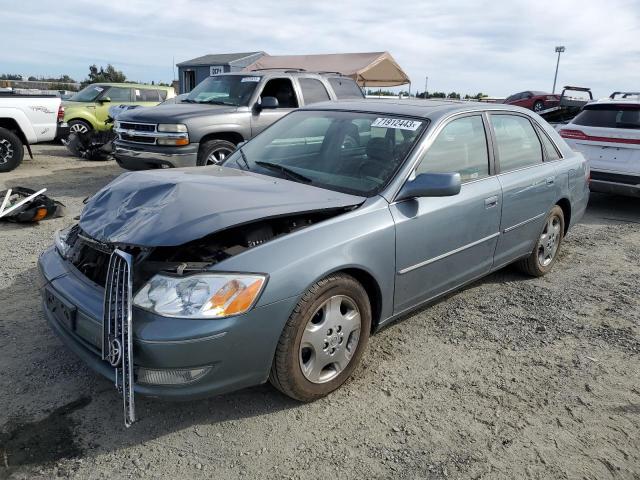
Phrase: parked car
(607, 133)
(332, 223)
(222, 111)
(24, 120)
(89, 108)
(536, 101)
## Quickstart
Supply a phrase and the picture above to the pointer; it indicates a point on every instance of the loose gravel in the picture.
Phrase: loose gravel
(511, 377)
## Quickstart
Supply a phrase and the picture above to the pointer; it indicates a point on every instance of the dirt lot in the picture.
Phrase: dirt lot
(510, 378)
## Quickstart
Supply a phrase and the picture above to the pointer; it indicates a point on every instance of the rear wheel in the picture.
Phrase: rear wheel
(546, 250)
(323, 340)
(538, 106)
(11, 150)
(214, 152)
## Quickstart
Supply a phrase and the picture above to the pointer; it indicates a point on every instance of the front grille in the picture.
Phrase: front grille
(137, 139)
(117, 335)
(140, 127)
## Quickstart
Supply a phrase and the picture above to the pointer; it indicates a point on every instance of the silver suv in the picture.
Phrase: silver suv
(222, 111)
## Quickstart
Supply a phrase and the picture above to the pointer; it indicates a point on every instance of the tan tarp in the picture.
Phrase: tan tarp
(373, 69)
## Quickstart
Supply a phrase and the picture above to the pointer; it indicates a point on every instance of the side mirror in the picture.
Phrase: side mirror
(104, 99)
(431, 185)
(269, 103)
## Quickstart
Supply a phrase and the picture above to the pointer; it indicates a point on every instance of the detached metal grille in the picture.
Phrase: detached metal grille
(117, 337)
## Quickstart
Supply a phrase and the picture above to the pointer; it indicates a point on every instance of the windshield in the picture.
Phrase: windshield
(233, 90)
(88, 94)
(350, 152)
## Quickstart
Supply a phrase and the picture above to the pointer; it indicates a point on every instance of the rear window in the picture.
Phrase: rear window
(313, 91)
(345, 88)
(609, 116)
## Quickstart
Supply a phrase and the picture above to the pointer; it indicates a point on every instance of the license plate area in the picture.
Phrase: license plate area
(63, 311)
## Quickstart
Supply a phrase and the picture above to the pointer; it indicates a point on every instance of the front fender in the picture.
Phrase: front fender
(79, 113)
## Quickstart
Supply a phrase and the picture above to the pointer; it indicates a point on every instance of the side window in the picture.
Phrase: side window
(282, 89)
(146, 95)
(518, 144)
(461, 147)
(119, 94)
(313, 91)
(549, 147)
(345, 88)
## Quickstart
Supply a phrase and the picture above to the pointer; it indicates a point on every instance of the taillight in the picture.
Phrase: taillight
(574, 134)
(60, 113)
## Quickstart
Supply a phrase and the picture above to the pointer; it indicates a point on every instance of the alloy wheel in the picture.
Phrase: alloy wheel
(549, 241)
(6, 151)
(78, 128)
(330, 339)
(218, 155)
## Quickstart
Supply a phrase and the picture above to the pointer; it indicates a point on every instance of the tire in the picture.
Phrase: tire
(538, 106)
(218, 149)
(542, 257)
(295, 358)
(79, 126)
(11, 150)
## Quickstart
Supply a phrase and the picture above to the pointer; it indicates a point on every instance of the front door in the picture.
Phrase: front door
(529, 185)
(444, 242)
(116, 96)
(282, 89)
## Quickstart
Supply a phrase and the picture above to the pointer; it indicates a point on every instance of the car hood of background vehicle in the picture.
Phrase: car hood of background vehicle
(173, 207)
(173, 113)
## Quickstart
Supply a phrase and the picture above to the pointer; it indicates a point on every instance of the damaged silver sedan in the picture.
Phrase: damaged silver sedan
(277, 265)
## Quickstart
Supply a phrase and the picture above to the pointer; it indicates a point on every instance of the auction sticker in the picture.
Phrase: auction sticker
(399, 123)
(250, 79)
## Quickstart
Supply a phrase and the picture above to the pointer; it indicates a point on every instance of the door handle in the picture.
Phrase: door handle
(491, 202)
(550, 181)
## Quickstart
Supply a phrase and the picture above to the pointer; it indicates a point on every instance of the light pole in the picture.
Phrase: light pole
(426, 84)
(559, 50)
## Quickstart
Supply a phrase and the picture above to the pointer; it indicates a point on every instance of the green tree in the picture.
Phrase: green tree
(109, 74)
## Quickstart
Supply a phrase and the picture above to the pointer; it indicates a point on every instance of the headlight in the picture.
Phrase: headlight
(60, 241)
(204, 295)
(172, 127)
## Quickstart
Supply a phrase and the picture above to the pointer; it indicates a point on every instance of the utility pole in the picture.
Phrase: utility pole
(559, 50)
(426, 85)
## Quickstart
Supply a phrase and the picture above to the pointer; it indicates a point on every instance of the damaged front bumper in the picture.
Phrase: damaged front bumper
(174, 358)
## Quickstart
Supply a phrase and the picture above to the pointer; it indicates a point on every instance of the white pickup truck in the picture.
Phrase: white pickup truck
(27, 119)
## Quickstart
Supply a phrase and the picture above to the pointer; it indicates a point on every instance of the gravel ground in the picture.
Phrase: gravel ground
(509, 378)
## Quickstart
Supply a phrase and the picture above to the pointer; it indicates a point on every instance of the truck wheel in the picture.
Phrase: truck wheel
(547, 247)
(11, 150)
(79, 126)
(214, 152)
(323, 340)
(538, 106)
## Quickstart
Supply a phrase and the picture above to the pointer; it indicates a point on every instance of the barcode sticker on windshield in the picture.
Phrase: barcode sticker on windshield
(399, 123)
(250, 79)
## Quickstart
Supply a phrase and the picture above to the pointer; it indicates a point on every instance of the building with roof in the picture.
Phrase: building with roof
(192, 72)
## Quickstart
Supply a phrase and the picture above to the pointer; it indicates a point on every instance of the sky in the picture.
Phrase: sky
(495, 47)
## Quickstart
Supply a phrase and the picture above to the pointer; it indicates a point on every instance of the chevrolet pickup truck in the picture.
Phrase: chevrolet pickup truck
(220, 112)
(24, 120)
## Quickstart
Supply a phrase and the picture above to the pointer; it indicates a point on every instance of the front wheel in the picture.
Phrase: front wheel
(323, 340)
(545, 252)
(538, 106)
(214, 152)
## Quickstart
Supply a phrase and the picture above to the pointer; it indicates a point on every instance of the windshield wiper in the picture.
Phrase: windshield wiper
(188, 100)
(219, 102)
(287, 171)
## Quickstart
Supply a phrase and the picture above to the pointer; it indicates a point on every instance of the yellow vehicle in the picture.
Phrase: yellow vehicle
(89, 108)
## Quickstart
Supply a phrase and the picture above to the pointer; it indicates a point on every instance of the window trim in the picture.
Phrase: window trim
(540, 131)
(495, 142)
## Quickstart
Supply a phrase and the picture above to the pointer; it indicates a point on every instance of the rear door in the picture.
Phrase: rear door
(608, 135)
(443, 242)
(281, 88)
(529, 184)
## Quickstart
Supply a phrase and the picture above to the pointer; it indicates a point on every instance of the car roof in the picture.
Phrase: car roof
(413, 108)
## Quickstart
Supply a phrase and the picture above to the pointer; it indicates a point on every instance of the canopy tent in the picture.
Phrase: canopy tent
(373, 69)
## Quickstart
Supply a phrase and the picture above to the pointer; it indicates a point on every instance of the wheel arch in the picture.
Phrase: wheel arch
(229, 136)
(83, 119)
(13, 126)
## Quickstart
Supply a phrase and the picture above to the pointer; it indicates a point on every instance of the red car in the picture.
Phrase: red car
(536, 101)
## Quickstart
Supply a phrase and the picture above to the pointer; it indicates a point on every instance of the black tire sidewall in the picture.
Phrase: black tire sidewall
(336, 285)
(209, 146)
(18, 150)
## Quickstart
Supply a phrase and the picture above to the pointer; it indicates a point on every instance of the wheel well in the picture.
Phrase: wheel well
(373, 291)
(233, 137)
(81, 120)
(11, 125)
(566, 210)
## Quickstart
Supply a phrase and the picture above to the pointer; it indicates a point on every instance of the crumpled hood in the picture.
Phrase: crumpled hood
(174, 112)
(172, 207)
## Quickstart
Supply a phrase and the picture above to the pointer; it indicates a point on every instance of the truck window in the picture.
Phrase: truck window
(282, 89)
(345, 88)
(313, 91)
